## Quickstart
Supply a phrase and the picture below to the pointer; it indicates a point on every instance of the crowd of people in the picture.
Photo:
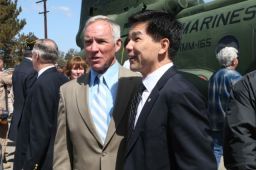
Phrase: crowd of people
(96, 114)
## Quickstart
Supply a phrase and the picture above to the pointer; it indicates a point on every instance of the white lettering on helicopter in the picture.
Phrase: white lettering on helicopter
(184, 46)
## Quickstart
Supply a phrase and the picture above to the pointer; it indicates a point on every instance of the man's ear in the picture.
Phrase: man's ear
(234, 62)
(165, 43)
(118, 44)
(36, 57)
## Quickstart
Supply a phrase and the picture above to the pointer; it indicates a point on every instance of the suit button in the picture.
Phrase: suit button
(104, 153)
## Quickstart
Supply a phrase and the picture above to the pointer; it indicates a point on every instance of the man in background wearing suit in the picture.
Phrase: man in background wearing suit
(22, 79)
(89, 134)
(37, 127)
(170, 128)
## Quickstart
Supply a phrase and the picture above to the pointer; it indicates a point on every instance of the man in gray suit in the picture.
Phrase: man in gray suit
(90, 134)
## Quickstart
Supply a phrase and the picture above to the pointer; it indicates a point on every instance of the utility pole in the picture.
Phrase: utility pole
(45, 17)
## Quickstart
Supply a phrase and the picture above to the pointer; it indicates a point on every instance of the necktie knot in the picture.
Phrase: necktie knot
(141, 88)
(98, 80)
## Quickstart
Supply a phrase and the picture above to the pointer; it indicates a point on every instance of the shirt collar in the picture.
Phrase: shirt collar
(40, 72)
(151, 80)
(110, 76)
(29, 58)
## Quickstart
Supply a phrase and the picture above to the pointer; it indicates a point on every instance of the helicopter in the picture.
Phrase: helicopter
(205, 25)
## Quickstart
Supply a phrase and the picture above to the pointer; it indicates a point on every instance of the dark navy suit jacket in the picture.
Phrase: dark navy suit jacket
(172, 132)
(22, 79)
(37, 128)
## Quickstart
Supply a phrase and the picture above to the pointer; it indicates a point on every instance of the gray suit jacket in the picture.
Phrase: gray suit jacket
(77, 144)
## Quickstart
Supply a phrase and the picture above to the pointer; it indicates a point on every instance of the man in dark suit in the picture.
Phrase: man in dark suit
(37, 128)
(22, 79)
(170, 128)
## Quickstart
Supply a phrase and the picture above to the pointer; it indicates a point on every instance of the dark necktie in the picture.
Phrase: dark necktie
(133, 109)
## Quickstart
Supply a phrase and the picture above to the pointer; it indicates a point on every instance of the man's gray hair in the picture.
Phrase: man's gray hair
(47, 50)
(116, 30)
(226, 55)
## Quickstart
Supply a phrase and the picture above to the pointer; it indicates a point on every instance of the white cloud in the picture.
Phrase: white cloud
(66, 10)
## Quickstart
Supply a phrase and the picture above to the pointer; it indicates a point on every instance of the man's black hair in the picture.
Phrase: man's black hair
(160, 25)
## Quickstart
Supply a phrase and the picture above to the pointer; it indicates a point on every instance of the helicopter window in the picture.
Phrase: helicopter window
(206, 1)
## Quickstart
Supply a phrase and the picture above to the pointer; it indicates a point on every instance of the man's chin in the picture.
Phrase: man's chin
(133, 68)
(99, 69)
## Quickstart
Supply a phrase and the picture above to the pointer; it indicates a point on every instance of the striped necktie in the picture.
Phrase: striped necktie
(133, 109)
(99, 110)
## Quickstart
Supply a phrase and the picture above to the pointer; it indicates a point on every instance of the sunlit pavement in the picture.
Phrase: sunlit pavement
(9, 155)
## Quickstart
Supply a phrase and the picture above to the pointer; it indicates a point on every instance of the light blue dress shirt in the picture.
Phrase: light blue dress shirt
(111, 81)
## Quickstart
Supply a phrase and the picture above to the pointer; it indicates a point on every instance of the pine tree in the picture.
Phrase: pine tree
(71, 52)
(20, 45)
(10, 25)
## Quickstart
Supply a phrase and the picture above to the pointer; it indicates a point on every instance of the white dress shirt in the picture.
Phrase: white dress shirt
(150, 82)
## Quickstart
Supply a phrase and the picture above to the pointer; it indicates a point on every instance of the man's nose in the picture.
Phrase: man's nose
(94, 46)
(129, 45)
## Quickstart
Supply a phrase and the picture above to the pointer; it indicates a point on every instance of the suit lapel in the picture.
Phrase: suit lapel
(122, 99)
(82, 103)
(121, 103)
(144, 113)
(146, 110)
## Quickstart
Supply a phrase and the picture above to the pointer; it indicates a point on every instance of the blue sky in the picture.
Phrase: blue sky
(63, 20)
